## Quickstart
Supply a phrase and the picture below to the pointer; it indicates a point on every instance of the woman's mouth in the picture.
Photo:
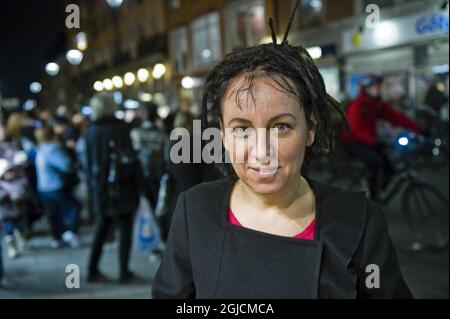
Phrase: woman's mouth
(264, 172)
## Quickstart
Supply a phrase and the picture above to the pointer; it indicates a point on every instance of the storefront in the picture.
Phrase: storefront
(409, 51)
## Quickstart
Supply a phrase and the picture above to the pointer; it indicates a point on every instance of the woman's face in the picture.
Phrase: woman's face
(269, 132)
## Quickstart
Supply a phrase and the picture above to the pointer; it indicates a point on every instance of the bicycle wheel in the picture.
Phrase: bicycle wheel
(426, 209)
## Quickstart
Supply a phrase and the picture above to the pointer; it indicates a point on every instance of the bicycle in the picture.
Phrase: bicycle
(424, 206)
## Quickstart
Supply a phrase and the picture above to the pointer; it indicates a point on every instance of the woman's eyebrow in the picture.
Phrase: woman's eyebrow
(242, 120)
(238, 119)
(283, 115)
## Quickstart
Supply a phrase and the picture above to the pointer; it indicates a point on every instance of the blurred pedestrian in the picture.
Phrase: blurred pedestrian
(361, 140)
(184, 175)
(14, 193)
(150, 142)
(17, 146)
(54, 169)
(113, 174)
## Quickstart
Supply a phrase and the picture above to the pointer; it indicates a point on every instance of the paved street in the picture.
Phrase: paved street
(40, 272)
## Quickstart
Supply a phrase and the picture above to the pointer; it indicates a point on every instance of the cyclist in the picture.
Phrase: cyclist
(361, 141)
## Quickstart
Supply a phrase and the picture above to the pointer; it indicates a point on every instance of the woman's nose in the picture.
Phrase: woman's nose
(266, 146)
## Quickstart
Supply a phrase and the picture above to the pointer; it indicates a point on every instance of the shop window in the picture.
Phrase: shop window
(206, 40)
(311, 13)
(179, 49)
(245, 25)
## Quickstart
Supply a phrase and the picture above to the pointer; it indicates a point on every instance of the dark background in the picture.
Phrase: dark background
(31, 33)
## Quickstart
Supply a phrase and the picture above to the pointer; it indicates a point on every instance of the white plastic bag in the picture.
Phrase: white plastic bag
(147, 234)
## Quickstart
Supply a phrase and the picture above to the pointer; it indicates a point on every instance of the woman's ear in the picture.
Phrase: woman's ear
(311, 131)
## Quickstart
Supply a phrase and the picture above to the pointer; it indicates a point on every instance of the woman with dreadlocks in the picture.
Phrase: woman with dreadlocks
(267, 231)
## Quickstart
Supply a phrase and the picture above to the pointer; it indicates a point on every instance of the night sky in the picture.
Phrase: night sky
(31, 32)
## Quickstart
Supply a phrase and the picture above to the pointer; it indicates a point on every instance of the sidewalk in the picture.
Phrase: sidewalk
(41, 271)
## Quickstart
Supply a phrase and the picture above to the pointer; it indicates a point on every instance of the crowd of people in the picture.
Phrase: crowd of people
(44, 158)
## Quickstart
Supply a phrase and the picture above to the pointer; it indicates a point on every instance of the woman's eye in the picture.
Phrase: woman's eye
(241, 131)
(281, 127)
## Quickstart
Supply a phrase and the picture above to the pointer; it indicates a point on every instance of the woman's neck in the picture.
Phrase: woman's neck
(286, 198)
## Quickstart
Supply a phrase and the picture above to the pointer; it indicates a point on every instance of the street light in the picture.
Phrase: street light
(98, 86)
(108, 84)
(114, 3)
(29, 104)
(187, 82)
(35, 87)
(81, 39)
(117, 81)
(143, 75)
(74, 56)
(129, 78)
(52, 69)
(158, 71)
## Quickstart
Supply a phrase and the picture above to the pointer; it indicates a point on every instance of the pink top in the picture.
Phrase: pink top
(307, 234)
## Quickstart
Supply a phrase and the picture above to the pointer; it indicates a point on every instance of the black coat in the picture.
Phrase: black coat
(207, 257)
(97, 137)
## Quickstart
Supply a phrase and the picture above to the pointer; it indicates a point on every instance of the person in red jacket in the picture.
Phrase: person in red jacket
(361, 140)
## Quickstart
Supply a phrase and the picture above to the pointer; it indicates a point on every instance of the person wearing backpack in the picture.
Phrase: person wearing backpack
(150, 141)
(113, 172)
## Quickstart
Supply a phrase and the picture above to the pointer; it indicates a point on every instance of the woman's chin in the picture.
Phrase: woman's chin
(265, 187)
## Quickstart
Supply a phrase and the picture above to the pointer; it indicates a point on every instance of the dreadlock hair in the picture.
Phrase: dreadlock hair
(291, 70)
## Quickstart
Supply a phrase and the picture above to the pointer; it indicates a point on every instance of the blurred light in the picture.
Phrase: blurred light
(114, 3)
(129, 78)
(118, 97)
(438, 142)
(145, 97)
(316, 5)
(131, 104)
(159, 98)
(158, 71)
(143, 75)
(268, 39)
(315, 52)
(385, 32)
(29, 105)
(81, 40)
(74, 56)
(439, 69)
(108, 84)
(52, 68)
(187, 82)
(20, 158)
(4, 166)
(117, 81)
(119, 115)
(440, 87)
(163, 111)
(98, 86)
(86, 110)
(403, 141)
(206, 54)
(130, 115)
(35, 87)
(436, 151)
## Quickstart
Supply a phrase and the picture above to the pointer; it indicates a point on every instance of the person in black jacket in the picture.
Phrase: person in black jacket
(113, 175)
(266, 231)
